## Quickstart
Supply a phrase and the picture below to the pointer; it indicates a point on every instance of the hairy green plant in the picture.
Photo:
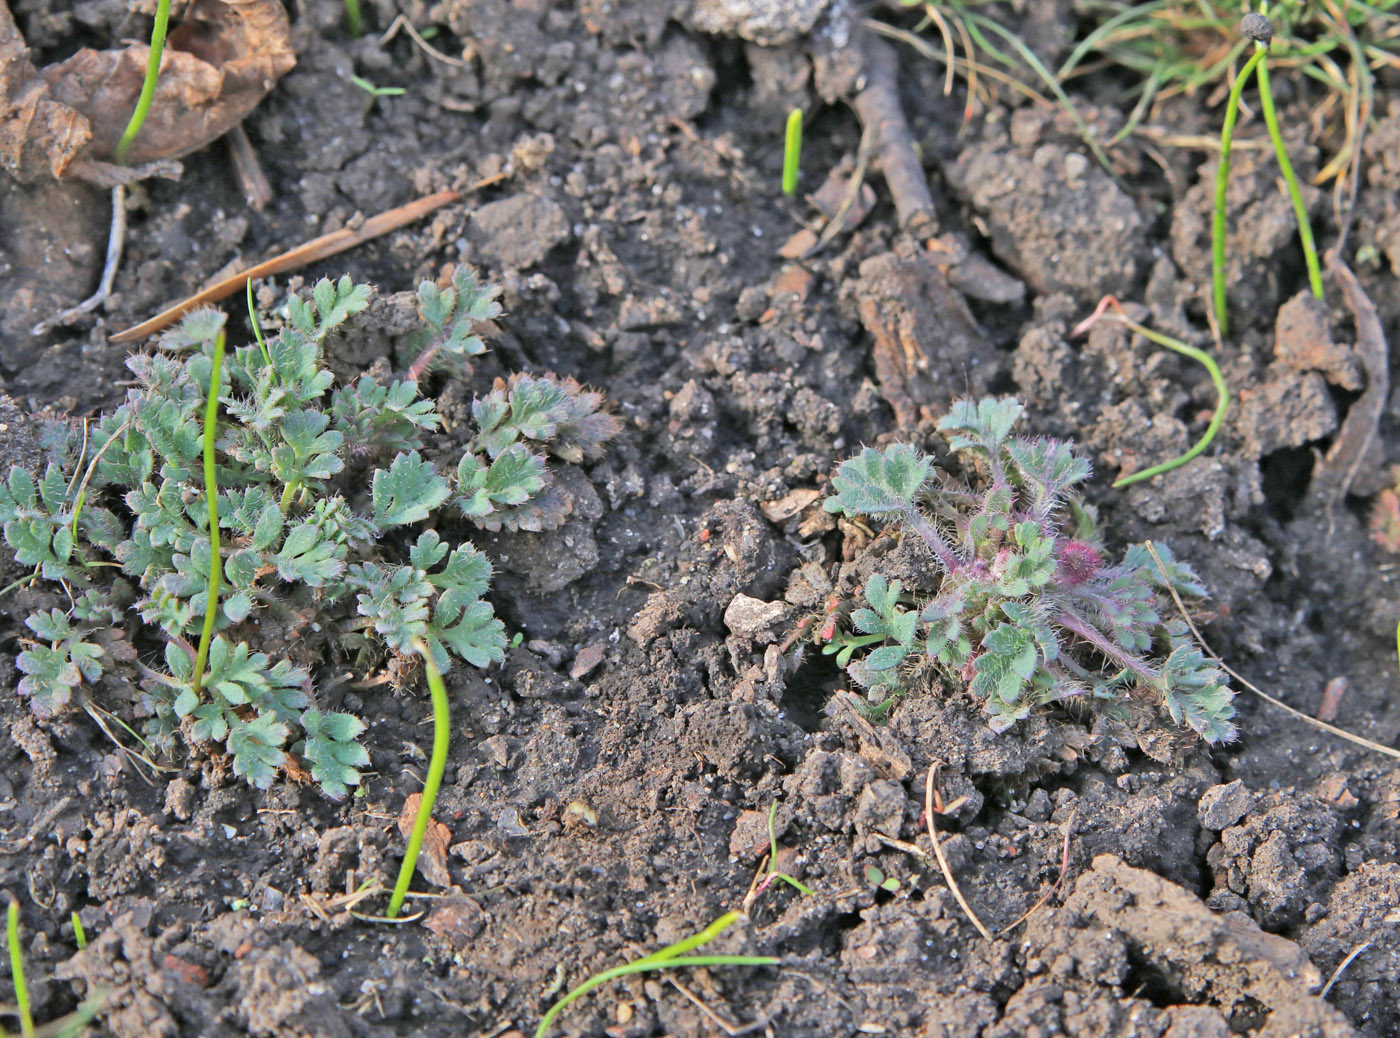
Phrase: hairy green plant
(300, 500)
(673, 956)
(792, 151)
(148, 85)
(1023, 608)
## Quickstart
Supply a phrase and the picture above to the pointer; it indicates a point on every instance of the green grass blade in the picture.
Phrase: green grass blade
(792, 151)
(671, 957)
(148, 86)
(1217, 419)
(26, 1018)
(1222, 183)
(442, 729)
(1295, 194)
(211, 494)
(1027, 55)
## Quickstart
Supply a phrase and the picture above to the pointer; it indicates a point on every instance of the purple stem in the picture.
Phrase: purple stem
(1078, 625)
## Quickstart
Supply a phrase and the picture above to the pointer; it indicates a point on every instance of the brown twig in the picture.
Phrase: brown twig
(1340, 733)
(257, 192)
(116, 237)
(1050, 891)
(308, 252)
(1344, 964)
(938, 852)
(1347, 453)
(878, 106)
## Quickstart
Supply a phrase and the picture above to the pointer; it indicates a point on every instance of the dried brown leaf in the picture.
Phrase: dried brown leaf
(66, 119)
(432, 859)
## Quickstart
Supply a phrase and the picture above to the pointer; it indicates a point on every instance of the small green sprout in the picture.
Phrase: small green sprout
(773, 872)
(211, 496)
(792, 152)
(79, 934)
(442, 730)
(353, 21)
(376, 91)
(673, 956)
(148, 86)
(1222, 391)
(26, 1018)
(1259, 29)
(875, 876)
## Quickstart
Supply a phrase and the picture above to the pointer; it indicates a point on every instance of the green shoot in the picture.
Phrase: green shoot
(436, 764)
(257, 333)
(148, 87)
(353, 19)
(211, 494)
(1221, 389)
(1258, 28)
(773, 873)
(1295, 194)
(373, 90)
(79, 934)
(792, 151)
(673, 956)
(1222, 180)
(26, 1018)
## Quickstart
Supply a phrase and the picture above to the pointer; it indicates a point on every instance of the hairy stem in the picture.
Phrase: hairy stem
(1076, 624)
(1222, 179)
(925, 529)
(211, 493)
(148, 87)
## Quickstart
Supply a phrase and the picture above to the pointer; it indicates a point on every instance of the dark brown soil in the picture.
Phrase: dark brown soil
(1208, 891)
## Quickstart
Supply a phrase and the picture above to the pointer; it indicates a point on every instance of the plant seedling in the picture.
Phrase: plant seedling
(1259, 29)
(148, 85)
(353, 21)
(792, 151)
(376, 91)
(1024, 608)
(772, 863)
(673, 956)
(26, 1018)
(211, 497)
(1221, 389)
(875, 876)
(297, 527)
(442, 730)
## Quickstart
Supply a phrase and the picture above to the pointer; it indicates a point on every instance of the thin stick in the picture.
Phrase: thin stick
(308, 252)
(1332, 729)
(880, 112)
(938, 852)
(116, 238)
(1050, 891)
(1344, 964)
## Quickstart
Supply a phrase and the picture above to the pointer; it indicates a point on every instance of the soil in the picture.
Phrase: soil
(608, 786)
